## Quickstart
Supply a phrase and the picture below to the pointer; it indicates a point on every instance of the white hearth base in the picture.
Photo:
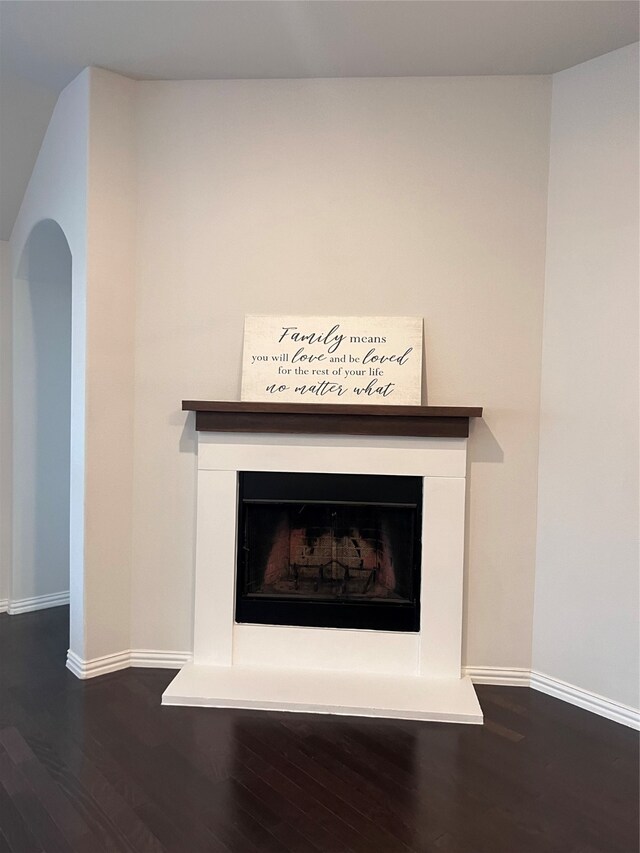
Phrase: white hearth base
(450, 700)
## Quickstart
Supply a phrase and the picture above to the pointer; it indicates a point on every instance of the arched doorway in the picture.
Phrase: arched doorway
(41, 421)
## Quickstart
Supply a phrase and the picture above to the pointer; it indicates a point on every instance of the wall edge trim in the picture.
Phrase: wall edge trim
(159, 659)
(496, 675)
(570, 693)
(36, 602)
(505, 676)
(586, 699)
(147, 658)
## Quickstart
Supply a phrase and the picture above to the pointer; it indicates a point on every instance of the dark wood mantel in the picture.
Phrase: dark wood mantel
(431, 421)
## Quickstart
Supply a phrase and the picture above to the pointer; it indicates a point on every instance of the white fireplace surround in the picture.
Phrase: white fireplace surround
(330, 670)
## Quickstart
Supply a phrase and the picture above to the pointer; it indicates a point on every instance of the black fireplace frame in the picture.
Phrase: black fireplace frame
(270, 487)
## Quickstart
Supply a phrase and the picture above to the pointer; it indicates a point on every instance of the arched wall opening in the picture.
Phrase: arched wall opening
(41, 363)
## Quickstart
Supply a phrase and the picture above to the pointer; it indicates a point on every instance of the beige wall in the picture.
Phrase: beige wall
(188, 205)
(111, 242)
(586, 603)
(396, 196)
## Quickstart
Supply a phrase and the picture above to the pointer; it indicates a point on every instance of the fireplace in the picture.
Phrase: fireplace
(329, 550)
(311, 516)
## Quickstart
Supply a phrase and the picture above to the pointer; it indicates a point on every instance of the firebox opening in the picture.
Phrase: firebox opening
(325, 550)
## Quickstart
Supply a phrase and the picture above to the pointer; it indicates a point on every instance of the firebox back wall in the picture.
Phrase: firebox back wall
(400, 196)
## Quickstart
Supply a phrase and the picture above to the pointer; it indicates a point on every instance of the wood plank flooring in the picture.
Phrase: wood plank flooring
(100, 766)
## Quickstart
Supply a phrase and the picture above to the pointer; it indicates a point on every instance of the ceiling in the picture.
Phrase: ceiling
(44, 45)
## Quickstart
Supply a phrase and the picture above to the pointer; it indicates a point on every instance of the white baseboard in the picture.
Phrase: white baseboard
(160, 660)
(500, 675)
(577, 696)
(97, 666)
(593, 702)
(4, 605)
(37, 602)
(123, 660)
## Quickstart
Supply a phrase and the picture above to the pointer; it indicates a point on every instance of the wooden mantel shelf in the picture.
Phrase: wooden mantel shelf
(320, 418)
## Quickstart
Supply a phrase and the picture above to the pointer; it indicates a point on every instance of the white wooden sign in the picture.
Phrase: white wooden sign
(355, 360)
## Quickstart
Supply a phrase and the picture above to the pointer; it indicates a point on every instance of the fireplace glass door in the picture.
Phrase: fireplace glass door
(336, 551)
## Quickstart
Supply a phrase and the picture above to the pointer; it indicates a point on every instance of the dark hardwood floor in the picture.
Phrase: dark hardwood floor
(100, 766)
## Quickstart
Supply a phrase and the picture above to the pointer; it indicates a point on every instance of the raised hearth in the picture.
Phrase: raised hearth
(413, 673)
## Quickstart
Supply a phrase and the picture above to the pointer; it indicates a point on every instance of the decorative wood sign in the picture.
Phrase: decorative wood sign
(354, 360)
